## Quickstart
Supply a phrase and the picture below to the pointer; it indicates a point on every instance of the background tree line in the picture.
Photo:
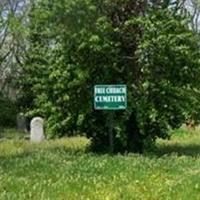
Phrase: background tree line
(63, 48)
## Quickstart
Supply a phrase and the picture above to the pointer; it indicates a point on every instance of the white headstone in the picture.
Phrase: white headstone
(37, 129)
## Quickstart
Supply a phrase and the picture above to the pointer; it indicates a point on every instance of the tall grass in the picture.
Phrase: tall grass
(11, 133)
(65, 170)
(10, 148)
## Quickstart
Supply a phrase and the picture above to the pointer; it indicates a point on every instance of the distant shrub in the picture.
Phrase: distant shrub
(8, 111)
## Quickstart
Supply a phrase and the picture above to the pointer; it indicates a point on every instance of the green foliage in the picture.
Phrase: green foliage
(77, 44)
(168, 57)
(8, 112)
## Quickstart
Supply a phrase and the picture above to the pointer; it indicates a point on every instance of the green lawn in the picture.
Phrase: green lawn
(64, 170)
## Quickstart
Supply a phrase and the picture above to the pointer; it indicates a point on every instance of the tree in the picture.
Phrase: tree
(193, 6)
(13, 15)
(77, 44)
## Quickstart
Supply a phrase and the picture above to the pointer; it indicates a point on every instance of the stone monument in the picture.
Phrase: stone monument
(37, 129)
(21, 122)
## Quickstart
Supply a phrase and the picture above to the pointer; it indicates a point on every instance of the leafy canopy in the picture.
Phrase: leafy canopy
(74, 45)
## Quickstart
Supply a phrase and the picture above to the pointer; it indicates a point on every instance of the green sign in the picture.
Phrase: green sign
(110, 97)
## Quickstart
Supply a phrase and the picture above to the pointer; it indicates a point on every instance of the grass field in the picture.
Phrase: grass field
(64, 170)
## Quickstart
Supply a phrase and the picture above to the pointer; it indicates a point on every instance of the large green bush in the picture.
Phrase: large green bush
(76, 44)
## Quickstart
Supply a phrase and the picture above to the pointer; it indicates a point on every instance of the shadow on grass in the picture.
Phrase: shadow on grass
(38, 159)
(192, 150)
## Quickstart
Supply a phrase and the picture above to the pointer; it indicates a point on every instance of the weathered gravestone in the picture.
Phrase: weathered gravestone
(37, 129)
(21, 122)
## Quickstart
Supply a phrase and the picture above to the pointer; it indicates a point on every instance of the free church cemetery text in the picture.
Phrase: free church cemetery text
(110, 97)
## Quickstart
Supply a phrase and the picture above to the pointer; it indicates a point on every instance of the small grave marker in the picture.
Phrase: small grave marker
(37, 129)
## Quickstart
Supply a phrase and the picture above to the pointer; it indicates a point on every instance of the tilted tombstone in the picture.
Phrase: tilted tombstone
(37, 129)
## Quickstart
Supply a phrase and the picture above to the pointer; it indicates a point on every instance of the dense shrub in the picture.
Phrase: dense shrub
(76, 44)
(8, 112)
